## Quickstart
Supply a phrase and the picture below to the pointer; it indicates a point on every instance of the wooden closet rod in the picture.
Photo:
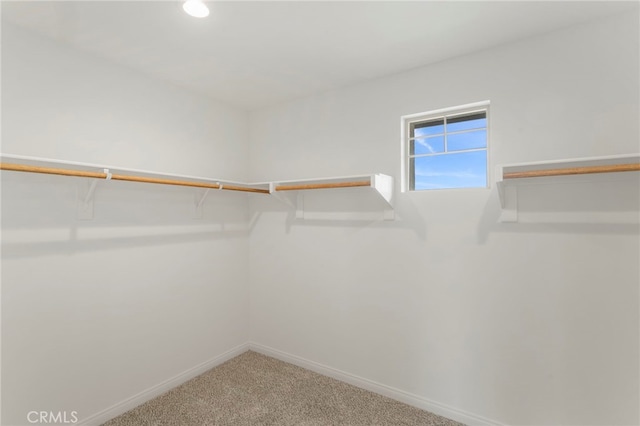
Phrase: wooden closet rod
(323, 185)
(101, 175)
(574, 171)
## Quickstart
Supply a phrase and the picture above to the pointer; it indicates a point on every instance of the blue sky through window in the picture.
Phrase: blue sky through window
(455, 170)
(467, 140)
(449, 152)
(429, 145)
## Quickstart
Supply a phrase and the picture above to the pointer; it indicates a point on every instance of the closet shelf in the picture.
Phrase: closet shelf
(299, 187)
(44, 166)
(379, 183)
(375, 186)
(594, 169)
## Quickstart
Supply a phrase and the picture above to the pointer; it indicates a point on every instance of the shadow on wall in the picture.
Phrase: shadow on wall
(72, 243)
(344, 208)
(39, 216)
(575, 207)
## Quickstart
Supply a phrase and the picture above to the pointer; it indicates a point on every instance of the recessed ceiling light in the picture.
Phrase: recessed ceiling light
(196, 8)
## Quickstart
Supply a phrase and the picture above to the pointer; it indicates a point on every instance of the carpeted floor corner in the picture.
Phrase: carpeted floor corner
(254, 389)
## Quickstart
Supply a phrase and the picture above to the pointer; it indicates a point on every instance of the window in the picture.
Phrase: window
(446, 148)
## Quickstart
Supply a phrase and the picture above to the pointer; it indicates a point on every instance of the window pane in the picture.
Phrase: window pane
(456, 170)
(467, 140)
(427, 128)
(466, 122)
(427, 145)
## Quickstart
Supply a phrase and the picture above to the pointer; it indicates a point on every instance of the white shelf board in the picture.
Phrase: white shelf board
(49, 162)
(507, 188)
(380, 183)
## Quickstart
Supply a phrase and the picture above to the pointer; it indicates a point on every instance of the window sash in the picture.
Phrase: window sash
(455, 132)
(474, 112)
(455, 117)
(447, 152)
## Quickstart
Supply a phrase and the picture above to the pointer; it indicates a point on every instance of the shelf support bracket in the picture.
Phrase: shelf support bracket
(384, 186)
(509, 211)
(86, 190)
(199, 202)
(85, 202)
(92, 187)
(285, 197)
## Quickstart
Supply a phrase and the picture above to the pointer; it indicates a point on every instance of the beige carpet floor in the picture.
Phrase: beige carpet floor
(253, 389)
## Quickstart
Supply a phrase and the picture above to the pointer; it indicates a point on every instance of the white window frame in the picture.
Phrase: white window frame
(407, 120)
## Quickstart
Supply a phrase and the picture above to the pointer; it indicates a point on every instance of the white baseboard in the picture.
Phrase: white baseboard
(388, 391)
(157, 390)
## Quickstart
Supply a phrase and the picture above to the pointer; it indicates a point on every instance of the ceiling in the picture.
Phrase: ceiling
(254, 54)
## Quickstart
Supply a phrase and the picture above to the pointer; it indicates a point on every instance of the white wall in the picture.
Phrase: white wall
(529, 323)
(94, 312)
